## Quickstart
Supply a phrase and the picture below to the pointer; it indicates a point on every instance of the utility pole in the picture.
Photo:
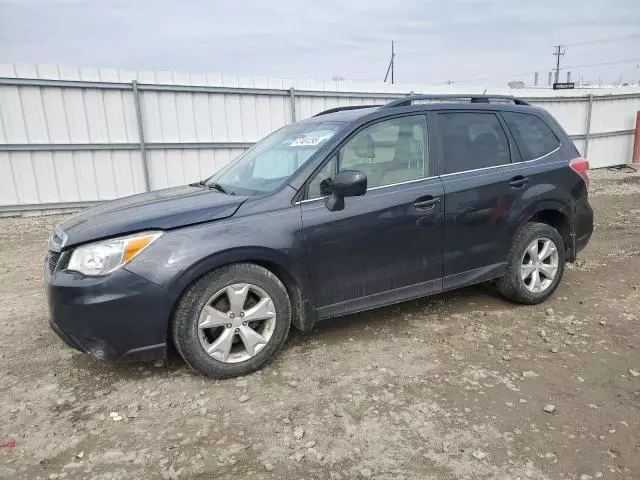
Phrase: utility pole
(393, 61)
(558, 53)
(392, 65)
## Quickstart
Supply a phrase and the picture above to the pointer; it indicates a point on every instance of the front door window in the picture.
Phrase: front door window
(388, 152)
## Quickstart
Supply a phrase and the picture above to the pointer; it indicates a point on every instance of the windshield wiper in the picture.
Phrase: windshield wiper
(214, 186)
(220, 188)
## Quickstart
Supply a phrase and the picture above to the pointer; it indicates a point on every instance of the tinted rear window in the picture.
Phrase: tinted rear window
(534, 137)
(472, 141)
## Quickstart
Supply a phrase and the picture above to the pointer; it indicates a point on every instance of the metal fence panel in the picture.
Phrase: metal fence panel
(604, 151)
(66, 177)
(70, 136)
(570, 114)
(614, 114)
(170, 168)
(15, 130)
(55, 114)
(8, 183)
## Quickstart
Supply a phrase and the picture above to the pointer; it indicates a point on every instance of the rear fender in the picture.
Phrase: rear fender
(550, 205)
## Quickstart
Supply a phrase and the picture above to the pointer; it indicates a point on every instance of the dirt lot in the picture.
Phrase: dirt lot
(443, 388)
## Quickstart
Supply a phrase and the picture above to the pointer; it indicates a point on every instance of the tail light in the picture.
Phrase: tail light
(581, 167)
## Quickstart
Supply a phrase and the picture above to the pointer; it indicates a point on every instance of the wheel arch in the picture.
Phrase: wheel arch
(278, 263)
(555, 214)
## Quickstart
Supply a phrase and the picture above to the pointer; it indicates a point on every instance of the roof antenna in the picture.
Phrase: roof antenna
(485, 91)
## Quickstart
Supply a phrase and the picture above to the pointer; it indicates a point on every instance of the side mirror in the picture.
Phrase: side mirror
(348, 183)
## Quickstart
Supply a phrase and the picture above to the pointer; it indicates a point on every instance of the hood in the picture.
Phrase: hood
(160, 209)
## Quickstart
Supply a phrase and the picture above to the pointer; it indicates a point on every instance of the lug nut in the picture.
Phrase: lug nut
(242, 314)
(228, 325)
(231, 315)
(244, 323)
(237, 330)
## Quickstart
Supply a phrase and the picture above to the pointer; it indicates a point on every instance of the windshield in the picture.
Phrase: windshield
(266, 166)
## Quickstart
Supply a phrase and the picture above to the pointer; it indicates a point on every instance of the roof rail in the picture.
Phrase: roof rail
(349, 107)
(473, 98)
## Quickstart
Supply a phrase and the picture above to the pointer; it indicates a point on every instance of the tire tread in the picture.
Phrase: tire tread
(510, 285)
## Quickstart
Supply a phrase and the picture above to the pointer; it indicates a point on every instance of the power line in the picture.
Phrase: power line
(603, 40)
(617, 62)
(558, 68)
(588, 42)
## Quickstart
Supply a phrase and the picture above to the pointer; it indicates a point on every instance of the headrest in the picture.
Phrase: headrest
(363, 146)
(410, 132)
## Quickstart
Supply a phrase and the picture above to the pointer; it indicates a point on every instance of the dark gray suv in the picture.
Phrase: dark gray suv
(355, 208)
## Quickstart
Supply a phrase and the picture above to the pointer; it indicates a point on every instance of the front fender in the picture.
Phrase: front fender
(182, 256)
(245, 254)
(304, 315)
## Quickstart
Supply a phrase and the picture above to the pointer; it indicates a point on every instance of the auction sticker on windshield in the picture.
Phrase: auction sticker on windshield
(310, 140)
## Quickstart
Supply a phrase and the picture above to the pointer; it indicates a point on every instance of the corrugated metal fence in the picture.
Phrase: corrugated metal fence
(72, 137)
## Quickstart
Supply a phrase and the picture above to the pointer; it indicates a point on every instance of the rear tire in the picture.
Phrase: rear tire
(208, 326)
(535, 264)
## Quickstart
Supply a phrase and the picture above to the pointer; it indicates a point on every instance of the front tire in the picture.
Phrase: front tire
(535, 264)
(232, 321)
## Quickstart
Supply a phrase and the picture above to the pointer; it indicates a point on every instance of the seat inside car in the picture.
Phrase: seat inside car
(408, 160)
(362, 150)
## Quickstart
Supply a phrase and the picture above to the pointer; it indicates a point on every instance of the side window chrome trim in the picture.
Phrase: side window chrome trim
(373, 188)
(503, 165)
(545, 155)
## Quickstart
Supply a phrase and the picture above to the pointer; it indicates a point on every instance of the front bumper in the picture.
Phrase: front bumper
(118, 317)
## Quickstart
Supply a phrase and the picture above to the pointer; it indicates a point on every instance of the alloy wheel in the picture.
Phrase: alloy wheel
(236, 323)
(539, 265)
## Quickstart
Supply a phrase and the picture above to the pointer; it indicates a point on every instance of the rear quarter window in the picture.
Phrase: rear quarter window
(533, 136)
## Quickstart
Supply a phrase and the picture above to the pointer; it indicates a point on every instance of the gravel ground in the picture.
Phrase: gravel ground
(454, 386)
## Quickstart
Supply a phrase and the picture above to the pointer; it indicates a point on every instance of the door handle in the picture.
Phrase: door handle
(518, 182)
(426, 203)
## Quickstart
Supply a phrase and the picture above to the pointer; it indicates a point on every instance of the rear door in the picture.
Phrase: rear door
(481, 176)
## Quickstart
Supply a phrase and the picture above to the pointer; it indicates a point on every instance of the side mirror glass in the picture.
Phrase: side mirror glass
(348, 183)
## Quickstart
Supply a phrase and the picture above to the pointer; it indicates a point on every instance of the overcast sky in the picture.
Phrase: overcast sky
(481, 42)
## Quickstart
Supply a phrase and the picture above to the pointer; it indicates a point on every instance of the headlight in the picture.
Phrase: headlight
(102, 258)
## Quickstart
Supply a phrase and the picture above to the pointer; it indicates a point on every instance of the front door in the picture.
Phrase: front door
(385, 246)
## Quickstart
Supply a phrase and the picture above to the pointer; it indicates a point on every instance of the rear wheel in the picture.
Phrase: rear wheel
(232, 321)
(535, 264)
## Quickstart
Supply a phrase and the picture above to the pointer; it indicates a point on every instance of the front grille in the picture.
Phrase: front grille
(52, 260)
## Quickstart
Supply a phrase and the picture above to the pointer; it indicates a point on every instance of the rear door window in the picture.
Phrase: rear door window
(534, 137)
(472, 140)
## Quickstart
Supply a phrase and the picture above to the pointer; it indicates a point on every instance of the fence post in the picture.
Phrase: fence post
(588, 125)
(143, 150)
(292, 99)
(635, 157)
